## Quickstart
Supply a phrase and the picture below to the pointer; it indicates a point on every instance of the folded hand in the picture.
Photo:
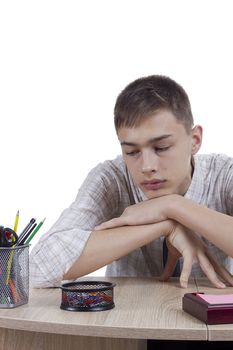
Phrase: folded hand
(182, 242)
(147, 212)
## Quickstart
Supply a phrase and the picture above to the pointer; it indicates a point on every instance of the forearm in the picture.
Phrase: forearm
(212, 225)
(105, 246)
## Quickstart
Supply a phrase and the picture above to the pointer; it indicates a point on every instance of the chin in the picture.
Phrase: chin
(157, 194)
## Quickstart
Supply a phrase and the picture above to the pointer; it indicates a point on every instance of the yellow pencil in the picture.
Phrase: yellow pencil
(12, 252)
(16, 221)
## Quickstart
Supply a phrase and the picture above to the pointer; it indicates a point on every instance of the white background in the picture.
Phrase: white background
(62, 65)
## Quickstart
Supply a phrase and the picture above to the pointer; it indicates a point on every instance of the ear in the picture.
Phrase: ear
(196, 134)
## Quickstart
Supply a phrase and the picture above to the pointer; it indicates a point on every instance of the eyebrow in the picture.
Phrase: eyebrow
(149, 142)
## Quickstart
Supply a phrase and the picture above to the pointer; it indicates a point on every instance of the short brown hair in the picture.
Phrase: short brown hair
(145, 96)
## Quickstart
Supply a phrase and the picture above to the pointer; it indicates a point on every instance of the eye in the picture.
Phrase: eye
(161, 149)
(132, 153)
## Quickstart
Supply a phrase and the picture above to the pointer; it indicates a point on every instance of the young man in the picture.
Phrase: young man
(158, 188)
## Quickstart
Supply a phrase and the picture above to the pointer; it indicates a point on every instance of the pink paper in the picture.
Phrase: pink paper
(217, 299)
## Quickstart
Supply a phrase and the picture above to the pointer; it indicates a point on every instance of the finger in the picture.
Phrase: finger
(208, 269)
(220, 270)
(186, 270)
(171, 249)
(172, 258)
(169, 268)
(116, 222)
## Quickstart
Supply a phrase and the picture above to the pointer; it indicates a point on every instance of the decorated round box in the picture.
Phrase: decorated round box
(87, 296)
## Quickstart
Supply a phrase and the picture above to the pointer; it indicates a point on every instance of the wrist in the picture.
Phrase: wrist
(174, 203)
(169, 227)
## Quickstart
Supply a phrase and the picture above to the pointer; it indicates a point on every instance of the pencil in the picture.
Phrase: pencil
(28, 234)
(16, 221)
(24, 232)
(34, 232)
(12, 252)
(14, 291)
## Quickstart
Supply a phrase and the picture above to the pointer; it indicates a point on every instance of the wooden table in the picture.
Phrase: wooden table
(145, 309)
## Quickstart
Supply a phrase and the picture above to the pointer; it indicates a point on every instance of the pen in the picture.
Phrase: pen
(35, 231)
(28, 234)
(23, 233)
(16, 221)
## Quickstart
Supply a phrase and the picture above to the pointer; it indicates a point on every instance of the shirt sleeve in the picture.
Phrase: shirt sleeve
(228, 184)
(57, 249)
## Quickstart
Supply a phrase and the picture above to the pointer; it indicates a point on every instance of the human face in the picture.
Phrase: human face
(158, 154)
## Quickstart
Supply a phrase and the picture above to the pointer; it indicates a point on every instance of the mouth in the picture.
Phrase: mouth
(153, 184)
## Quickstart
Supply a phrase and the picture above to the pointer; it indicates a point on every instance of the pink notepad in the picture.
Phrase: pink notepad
(217, 299)
(209, 308)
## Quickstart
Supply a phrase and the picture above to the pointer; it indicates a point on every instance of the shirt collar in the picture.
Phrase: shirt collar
(196, 187)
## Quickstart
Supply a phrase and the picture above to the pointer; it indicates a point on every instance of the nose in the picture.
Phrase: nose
(149, 163)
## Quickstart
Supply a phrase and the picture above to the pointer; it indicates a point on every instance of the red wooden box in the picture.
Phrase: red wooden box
(206, 312)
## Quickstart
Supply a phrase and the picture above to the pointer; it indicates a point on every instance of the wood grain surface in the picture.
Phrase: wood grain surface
(144, 309)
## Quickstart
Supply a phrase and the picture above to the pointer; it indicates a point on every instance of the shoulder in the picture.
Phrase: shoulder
(110, 175)
(214, 162)
(111, 168)
(211, 171)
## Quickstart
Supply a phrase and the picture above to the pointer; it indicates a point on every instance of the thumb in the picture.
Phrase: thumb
(173, 257)
(168, 269)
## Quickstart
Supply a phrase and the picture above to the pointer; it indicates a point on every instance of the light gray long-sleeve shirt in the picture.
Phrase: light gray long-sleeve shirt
(106, 192)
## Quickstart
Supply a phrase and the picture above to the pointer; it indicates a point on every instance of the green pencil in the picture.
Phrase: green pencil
(34, 232)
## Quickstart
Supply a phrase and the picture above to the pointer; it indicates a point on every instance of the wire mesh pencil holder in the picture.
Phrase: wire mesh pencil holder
(87, 296)
(14, 276)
